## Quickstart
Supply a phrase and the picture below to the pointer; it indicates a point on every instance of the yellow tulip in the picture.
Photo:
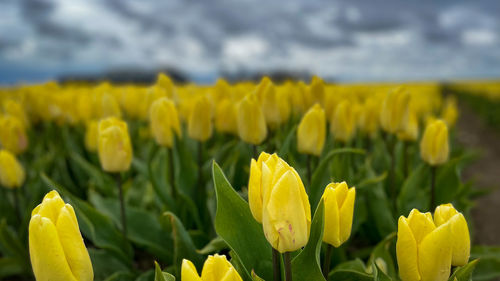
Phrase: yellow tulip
(311, 131)
(216, 268)
(14, 108)
(394, 110)
(226, 117)
(12, 135)
(110, 107)
(450, 111)
(410, 127)
(56, 246)
(164, 121)
(434, 144)
(200, 119)
(343, 122)
(316, 91)
(164, 82)
(278, 200)
(460, 239)
(267, 93)
(11, 172)
(114, 147)
(423, 250)
(339, 210)
(369, 119)
(91, 136)
(251, 121)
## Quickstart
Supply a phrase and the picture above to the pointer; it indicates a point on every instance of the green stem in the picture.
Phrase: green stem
(171, 172)
(392, 172)
(254, 151)
(328, 259)
(309, 171)
(287, 257)
(118, 180)
(433, 188)
(406, 160)
(16, 204)
(276, 265)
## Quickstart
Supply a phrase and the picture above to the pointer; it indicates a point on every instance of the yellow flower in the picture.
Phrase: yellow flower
(434, 144)
(57, 249)
(11, 172)
(114, 147)
(267, 94)
(316, 91)
(339, 210)
(216, 268)
(450, 111)
(110, 107)
(394, 110)
(410, 127)
(12, 135)
(279, 201)
(91, 136)
(200, 119)
(14, 108)
(369, 119)
(311, 131)
(423, 250)
(460, 239)
(251, 122)
(226, 117)
(343, 122)
(164, 121)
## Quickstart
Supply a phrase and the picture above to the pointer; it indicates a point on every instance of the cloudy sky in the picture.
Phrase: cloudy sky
(347, 40)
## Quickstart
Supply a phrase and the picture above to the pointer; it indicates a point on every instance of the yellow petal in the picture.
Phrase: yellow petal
(406, 252)
(50, 207)
(434, 255)
(188, 271)
(215, 268)
(460, 240)
(255, 191)
(421, 224)
(346, 214)
(231, 275)
(332, 220)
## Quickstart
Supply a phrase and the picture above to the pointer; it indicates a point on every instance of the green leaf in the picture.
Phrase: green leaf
(243, 234)
(464, 273)
(488, 267)
(215, 245)
(162, 276)
(10, 267)
(350, 271)
(255, 277)
(105, 263)
(415, 191)
(102, 181)
(381, 255)
(306, 265)
(285, 146)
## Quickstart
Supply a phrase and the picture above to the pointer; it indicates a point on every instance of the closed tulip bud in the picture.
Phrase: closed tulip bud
(410, 128)
(394, 110)
(216, 268)
(311, 131)
(226, 120)
(271, 105)
(164, 121)
(251, 122)
(110, 107)
(434, 144)
(339, 210)
(12, 135)
(278, 200)
(316, 90)
(423, 250)
(200, 120)
(11, 172)
(91, 136)
(369, 119)
(14, 108)
(343, 123)
(450, 111)
(56, 246)
(114, 147)
(460, 239)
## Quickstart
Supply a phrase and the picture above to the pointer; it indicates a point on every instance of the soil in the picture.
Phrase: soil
(474, 133)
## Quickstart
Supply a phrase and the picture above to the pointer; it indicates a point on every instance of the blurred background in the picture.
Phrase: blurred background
(201, 40)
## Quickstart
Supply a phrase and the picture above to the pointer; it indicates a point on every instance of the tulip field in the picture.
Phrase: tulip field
(251, 181)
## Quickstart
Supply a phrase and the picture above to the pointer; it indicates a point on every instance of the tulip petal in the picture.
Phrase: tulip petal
(255, 191)
(406, 252)
(434, 255)
(231, 275)
(188, 271)
(50, 206)
(332, 217)
(346, 214)
(215, 268)
(460, 240)
(421, 224)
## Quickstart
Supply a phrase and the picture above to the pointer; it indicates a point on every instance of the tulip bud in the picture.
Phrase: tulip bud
(110, 107)
(114, 148)
(460, 239)
(11, 172)
(369, 119)
(423, 250)
(410, 127)
(14, 108)
(316, 91)
(271, 104)
(56, 246)
(343, 122)
(91, 136)
(164, 121)
(434, 144)
(12, 134)
(450, 111)
(311, 131)
(200, 120)
(339, 210)
(216, 268)
(278, 200)
(394, 110)
(226, 117)
(251, 122)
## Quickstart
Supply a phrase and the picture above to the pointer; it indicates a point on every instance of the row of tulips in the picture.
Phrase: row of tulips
(373, 143)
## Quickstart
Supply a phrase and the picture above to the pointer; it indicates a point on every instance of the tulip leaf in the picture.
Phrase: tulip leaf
(415, 191)
(105, 264)
(381, 255)
(488, 267)
(306, 265)
(464, 273)
(146, 276)
(255, 277)
(11, 266)
(243, 234)
(215, 245)
(354, 270)
(162, 276)
(101, 180)
(448, 179)
(320, 178)
(287, 143)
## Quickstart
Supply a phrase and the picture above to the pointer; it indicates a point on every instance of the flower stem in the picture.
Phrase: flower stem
(392, 179)
(254, 151)
(406, 160)
(16, 204)
(171, 172)
(433, 188)
(118, 180)
(328, 259)
(288, 266)
(276, 265)
(309, 171)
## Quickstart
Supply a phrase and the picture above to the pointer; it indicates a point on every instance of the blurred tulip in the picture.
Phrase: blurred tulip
(251, 122)
(434, 144)
(316, 91)
(200, 119)
(339, 210)
(164, 122)
(410, 127)
(311, 131)
(91, 136)
(369, 120)
(226, 120)
(110, 107)
(56, 246)
(343, 122)
(423, 250)
(216, 268)
(14, 108)
(114, 147)
(12, 135)
(11, 172)
(279, 201)
(395, 110)
(165, 83)
(460, 239)
(450, 111)
(266, 91)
